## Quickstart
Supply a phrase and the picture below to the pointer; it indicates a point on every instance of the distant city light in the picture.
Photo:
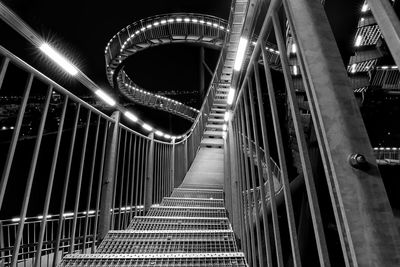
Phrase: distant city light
(106, 98)
(59, 59)
(240, 53)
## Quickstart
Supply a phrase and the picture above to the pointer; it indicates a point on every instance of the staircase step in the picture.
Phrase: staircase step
(197, 193)
(215, 126)
(192, 202)
(211, 120)
(151, 260)
(213, 134)
(140, 242)
(172, 211)
(219, 104)
(218, 110)
(178, 223)
(212, 142)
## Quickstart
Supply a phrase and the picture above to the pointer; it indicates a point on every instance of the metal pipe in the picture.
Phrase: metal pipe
(281, 156)
(303, 151)
(148, 201)
(13, 144)
(108, 177)
(31, 175)
(89, 195)
(50, 183)
(79, 183)
(65, 186)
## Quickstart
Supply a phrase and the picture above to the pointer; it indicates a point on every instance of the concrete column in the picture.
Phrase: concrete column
(363, 214)
(148, 199)
(107, 187)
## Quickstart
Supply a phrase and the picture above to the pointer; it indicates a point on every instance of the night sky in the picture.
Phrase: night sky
(81, 29)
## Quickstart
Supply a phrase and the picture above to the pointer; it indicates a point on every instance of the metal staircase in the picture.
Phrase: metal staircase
(190, 228)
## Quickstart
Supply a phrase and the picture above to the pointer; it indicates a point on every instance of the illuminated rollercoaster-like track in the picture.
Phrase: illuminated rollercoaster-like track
(189, 28)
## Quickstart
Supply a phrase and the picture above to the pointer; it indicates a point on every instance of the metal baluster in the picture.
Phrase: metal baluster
(31, 175)
(121, 190)
(133, 178)
(50, 182)
(303, 151)
(281, 154)
(89, 195)
(13, 144)
(138, 189)
(79, 183)
(97, 209)
(65, 186)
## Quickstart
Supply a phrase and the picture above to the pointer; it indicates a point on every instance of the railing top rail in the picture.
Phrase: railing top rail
(22, 64)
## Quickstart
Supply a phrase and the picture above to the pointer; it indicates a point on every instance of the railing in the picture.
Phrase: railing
(387, 77)
(64, 155)
(342, 190)
(387, 155)
(89, 163)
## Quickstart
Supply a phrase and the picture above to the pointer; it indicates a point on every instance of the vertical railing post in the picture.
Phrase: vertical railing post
(234, 198)
(110, 163)
(185, 151)
(362, 210)
(172, 186)
(148, 189)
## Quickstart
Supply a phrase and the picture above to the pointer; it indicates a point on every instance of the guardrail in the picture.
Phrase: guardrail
(338, 167)
(72, 157)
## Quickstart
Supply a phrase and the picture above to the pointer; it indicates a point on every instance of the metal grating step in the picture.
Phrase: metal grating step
(178, 223)
(151, 260)
(187, 193)
(173, 211)
(141, 242)
(192, 202)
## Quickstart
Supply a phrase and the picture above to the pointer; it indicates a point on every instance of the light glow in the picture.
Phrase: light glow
(130, 116)
(167, 136)
(159, 133)
(106, 98)
(224, 127)
(226, 116)
(358, 41)
(147, 127)
(231, 96)
(364, 7)
(240, 53)
(294, 48)
(59, 59)
(295, 70)
(353, 68)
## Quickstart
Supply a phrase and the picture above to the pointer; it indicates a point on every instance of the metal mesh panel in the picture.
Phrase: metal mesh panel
(168, 242)
(187, 193)
(182, 260)
(190, 202)
(187, 212)
(165, 223)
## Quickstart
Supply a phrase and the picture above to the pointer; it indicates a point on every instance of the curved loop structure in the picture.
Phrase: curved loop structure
(190, 28)
(198, 29)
